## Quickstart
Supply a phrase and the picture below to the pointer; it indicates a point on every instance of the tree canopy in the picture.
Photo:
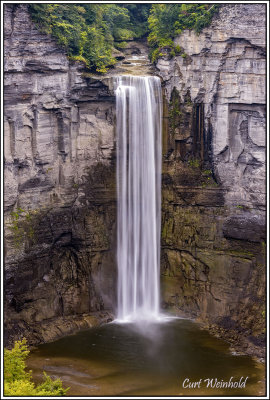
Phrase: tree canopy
(91, 32)
(166, 21)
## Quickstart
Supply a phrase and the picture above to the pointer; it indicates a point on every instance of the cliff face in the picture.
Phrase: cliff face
(59, 187)
(213, 240)
(60, 197)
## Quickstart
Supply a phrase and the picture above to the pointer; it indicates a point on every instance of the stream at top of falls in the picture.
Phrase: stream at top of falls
(151, 358)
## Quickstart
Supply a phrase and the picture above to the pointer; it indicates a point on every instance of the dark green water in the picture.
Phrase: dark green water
(147, 359)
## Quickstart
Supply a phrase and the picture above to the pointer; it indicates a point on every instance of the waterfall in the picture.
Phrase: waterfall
(138, 115)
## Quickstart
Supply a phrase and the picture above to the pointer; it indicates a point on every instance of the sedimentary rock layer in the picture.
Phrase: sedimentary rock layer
(213, 240)
(59, 185)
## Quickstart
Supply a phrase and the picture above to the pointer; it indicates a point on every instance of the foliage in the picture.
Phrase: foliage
(121, 45)
(139, 14)
(80, 29)
(166, 21)
(161, 23)
(14, 362)
(17, 382)
(175, 113)
(90, 32)
(16, 229)
(207, 172)
(194, 163)
(22, 225)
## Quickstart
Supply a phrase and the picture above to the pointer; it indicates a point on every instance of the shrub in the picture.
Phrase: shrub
(18, 382)
(166, 21)
(120, 45)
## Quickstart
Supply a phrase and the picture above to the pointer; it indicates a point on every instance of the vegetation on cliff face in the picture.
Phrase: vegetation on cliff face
(18, 382)
(91, 32)
(166, 21)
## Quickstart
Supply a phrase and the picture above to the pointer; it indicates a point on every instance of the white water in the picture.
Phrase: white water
(138, 113)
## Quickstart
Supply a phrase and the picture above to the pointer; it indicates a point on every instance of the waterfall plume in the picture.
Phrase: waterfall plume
(138, 125)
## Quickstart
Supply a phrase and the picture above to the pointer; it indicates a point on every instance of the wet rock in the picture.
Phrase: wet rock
(54, 328)
(245, 227)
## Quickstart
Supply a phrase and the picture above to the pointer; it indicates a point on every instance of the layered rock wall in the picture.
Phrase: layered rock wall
(213, 239)
(59, 186)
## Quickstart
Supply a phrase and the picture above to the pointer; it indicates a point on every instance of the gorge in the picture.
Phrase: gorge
(61, 191)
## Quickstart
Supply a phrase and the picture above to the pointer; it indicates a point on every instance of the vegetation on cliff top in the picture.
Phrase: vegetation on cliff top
(166, 21)
(18, 382)
(91, 32)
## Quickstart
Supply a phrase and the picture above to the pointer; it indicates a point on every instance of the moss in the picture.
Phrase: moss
(207, 172)
(88, 75)
(175, 113)
(14, 226)
(188, 100)
(239, 253)
(178, 49)
(23, 225)
(194, 163)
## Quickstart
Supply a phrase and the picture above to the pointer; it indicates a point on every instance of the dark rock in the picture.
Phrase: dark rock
(245, 227)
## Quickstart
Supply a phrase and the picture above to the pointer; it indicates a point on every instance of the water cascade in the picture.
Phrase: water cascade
(138, 113)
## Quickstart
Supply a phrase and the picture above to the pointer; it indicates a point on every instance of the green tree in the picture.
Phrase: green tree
(117, 20)
(166, 21)
(18, 382)
(86, 31)
(138, 14)
(89, 32)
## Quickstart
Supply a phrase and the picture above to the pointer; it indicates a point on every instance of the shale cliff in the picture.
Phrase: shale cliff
(60, 185)
(213, 226)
